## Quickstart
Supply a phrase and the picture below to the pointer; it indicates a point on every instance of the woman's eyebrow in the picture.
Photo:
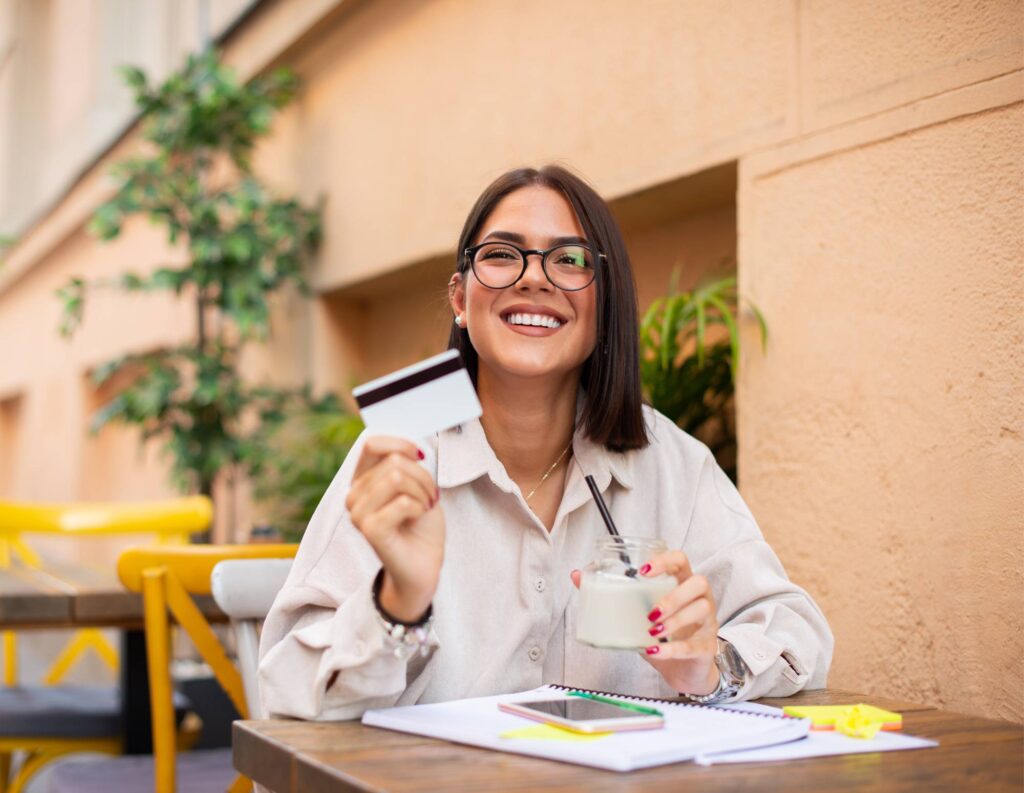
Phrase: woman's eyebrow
(572, 240)
(511, 236)
(508, 236)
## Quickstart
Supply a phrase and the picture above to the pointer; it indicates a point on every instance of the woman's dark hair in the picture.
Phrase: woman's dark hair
(612, 414)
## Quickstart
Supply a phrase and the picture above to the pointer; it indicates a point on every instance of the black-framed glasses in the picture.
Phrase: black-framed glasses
(499, 265)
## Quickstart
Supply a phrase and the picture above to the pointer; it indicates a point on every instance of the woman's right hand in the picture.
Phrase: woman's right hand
(393, 502)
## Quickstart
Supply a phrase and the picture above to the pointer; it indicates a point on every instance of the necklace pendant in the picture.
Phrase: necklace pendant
(548, 473)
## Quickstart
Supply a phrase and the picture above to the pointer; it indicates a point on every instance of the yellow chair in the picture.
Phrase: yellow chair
(172, 521)
(51, 721)
(168, 577)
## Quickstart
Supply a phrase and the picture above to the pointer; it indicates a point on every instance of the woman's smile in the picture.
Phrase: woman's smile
(532, 320)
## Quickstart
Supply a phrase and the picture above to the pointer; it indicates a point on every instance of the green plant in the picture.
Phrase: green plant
(689, 343)
(194, 178)
(307, 453)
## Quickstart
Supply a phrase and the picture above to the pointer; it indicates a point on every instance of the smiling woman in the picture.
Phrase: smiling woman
(419, 586)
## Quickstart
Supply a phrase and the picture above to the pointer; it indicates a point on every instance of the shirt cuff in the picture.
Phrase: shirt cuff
(766, 660)
(359, 664)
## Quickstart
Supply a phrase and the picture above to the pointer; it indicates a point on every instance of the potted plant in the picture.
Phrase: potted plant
(689, 345)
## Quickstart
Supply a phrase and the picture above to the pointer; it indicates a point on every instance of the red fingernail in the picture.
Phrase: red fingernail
(657, 629)
(420, 454)
(645, 569)
(653, 650)
(654, 616)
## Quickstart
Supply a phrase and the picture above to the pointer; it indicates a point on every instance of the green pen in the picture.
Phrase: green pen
(610, 701)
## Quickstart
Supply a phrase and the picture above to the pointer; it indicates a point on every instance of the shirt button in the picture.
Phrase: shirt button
(539, 584)
(534, 653)
(759, 655)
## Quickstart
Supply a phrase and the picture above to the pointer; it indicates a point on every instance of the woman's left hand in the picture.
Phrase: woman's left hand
(687, 618)
(683, 627)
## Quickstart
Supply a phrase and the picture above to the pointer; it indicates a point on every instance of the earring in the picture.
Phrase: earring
(458, 321)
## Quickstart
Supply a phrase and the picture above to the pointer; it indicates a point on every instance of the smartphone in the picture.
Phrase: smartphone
(584, 715)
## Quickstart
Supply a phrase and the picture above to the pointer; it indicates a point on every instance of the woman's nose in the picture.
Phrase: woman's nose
(534, 274)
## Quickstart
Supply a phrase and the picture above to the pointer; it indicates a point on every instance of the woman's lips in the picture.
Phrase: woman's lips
(532, 330)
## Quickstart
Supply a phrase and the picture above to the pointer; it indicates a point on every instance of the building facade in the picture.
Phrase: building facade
(860, 166)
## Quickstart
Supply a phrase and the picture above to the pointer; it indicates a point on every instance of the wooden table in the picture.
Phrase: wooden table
(78, 596)
(291, 756)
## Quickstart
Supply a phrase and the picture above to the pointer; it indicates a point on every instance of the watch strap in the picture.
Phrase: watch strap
(732, 676)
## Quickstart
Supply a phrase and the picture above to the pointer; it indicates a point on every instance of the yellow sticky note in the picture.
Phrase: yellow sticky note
(831, 717)
(548, 732)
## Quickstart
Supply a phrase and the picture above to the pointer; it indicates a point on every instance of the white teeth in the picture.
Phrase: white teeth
(536, 320)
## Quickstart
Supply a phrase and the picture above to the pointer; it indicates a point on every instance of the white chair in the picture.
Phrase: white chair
(245, 589)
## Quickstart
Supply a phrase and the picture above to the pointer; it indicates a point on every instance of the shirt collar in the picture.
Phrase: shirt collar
(465, 455)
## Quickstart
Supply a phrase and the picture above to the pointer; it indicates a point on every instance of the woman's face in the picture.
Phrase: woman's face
(532, 218)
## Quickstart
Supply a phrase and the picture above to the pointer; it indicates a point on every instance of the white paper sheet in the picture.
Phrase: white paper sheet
(689, 730)
(820, 744)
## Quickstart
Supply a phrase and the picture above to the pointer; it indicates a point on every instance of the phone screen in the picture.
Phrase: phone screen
(581, 710)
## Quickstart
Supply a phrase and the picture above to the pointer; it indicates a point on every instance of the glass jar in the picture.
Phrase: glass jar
(615, 599)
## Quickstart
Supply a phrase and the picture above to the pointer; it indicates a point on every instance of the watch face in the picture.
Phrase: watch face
(730, 664)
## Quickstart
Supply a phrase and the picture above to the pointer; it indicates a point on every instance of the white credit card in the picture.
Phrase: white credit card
(415, 402)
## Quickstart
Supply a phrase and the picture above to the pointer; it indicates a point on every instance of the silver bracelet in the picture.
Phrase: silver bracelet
(406, 639)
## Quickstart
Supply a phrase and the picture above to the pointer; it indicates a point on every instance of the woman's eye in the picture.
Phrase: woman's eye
(500, 254)
(571, 260)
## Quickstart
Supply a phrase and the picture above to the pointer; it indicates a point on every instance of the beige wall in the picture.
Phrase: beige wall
(882, 436)
(61, 100)
(862, 163)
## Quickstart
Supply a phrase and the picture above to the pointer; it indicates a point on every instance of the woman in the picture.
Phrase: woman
(414, 588)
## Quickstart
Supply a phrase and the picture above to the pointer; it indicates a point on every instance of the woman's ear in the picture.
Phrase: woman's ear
(457, 293)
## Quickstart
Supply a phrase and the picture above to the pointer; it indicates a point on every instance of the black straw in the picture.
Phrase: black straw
(606, 516)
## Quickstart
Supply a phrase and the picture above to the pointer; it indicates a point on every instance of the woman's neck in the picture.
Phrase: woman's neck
(528, 422)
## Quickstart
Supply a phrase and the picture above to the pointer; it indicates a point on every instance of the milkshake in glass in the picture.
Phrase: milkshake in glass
(615, 599)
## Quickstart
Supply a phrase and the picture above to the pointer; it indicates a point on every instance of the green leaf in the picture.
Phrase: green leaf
(701, 326)
(734, 335)
(72, 297)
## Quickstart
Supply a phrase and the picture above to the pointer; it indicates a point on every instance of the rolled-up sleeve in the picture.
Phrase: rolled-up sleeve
(775, 625)
(324, 654)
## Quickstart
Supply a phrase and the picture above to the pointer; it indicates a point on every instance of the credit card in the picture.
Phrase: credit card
(420, 400)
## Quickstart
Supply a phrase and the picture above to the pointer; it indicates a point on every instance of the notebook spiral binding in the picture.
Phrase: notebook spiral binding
(679, 703)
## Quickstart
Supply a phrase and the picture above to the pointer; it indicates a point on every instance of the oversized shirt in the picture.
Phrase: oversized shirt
(505, 609)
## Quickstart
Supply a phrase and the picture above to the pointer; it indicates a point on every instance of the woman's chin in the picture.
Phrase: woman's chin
(530, 367)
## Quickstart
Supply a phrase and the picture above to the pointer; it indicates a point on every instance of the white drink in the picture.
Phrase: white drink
(614, 608)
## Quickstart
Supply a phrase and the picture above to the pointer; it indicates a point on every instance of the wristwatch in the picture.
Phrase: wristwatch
(405, 638)
(732, 675)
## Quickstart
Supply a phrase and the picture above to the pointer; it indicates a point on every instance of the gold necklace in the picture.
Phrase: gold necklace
(548, 472)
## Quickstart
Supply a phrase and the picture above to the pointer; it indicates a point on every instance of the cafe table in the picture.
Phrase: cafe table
(973, 754)
(81, 596)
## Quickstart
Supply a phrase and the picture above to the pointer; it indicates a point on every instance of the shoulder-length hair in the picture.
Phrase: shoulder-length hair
(612, 404)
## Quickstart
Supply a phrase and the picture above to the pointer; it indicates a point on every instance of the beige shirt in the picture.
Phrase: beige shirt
(505, 608)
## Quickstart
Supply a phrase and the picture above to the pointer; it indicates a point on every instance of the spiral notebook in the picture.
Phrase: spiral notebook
(690, 730)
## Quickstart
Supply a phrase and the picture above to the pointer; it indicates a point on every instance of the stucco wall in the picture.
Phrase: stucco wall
(882, 435)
